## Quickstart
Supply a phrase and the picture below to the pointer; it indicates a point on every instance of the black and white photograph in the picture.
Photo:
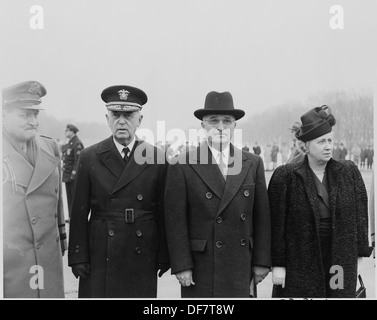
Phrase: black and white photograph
(185, 150)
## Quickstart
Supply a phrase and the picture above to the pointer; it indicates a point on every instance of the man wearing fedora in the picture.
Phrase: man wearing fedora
(120, 183)
(217, 211)
(70, 157)
(34, 236)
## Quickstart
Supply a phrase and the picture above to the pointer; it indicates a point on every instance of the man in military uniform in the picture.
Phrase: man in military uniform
(217, 211)
(120, 182)
(33, 220)
(70, 156)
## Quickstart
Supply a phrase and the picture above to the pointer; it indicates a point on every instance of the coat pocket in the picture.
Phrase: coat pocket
(198, 245)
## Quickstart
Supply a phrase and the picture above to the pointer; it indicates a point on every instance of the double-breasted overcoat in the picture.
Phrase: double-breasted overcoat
(124, 239)
(217, 228)
(33, 221)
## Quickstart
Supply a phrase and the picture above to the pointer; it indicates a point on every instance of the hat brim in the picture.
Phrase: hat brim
(25, 104)
(236, 113)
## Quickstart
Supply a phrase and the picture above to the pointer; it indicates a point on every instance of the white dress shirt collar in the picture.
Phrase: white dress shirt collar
(120, 147)
(225, 154)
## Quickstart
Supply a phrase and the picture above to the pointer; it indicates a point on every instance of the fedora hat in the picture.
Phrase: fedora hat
(219, 103)
(316, 123)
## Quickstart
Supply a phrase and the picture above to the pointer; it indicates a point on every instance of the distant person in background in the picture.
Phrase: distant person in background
(34, 236)
(274, 155)
(284, 152)
(267, 157)
(363, 157)
(342, 151)
(246, 148)
(256, 149)
(336, 151)
(296, 154)
(70, 157)
(370, 156)
(355, 152)
(372, 217)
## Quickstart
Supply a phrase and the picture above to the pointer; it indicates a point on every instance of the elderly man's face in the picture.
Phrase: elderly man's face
(21, 124)
(220, 129)
(123, 125)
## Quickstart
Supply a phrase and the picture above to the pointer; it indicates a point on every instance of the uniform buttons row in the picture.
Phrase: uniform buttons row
(111, 233)
(220, 219)
(209, 195)
(219, 244)
(139, 197)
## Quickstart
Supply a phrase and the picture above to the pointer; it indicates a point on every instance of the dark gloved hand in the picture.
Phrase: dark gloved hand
(81, 270)
(163, 267)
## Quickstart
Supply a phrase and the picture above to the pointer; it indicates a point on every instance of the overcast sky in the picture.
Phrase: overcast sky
(264, 52)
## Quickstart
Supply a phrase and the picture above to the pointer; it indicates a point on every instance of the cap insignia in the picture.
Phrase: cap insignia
(123, 94)
(35, 88)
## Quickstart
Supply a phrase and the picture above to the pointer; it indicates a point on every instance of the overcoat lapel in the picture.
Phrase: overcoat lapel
(321, 191)
(110, 157)
(333, 176)
(15, 165)
(202, 161)
(45, 164)
(133, 169)
(234, 179)
(304, 172)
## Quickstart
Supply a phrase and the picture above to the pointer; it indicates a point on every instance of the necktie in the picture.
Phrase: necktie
(125, 157)
(222, 165)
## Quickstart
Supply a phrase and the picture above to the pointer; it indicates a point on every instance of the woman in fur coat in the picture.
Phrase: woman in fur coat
(319, 215)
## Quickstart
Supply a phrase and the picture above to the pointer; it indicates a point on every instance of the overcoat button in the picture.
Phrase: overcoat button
(246, 193)
(219, 244)
(137, 250)
(219, 219)
(243, 217)
(139, 233)
(139, 197)
(34, 220)
(112, 198)
(243, 242)
(208, 195)
(111, 233)
(38, 245)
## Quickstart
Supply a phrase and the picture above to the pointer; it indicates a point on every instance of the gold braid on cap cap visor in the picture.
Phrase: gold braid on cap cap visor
(123, 106)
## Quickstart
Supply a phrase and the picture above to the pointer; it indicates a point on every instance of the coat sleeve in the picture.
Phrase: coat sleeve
(163, 253)
(278, 196)
(78, 250)
(60, 209)
(261, 221)
(363, 248)
(176, 220)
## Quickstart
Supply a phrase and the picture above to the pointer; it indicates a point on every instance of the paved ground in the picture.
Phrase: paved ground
(168, 287)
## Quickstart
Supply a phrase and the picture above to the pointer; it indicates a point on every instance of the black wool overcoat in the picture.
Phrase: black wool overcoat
(217, 228)
(123, 255)
(295, 216)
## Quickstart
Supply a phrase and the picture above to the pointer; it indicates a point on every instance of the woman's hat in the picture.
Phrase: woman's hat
(316, 123)
(219, 103)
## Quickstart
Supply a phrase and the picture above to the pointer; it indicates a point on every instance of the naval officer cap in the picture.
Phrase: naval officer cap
(25, 95)
(124, 98)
